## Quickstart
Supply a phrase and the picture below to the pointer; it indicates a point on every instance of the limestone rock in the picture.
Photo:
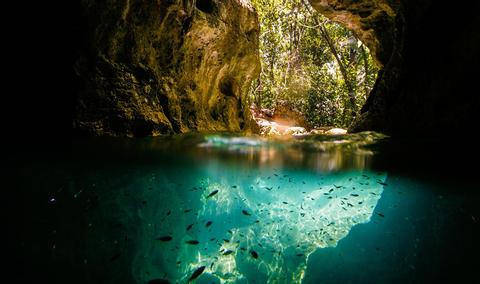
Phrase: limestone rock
(427, 51)
(154, 67)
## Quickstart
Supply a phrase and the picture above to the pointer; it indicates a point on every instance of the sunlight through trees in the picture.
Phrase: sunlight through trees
(314, 66)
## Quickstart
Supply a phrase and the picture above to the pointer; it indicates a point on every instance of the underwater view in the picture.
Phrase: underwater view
(237, 209)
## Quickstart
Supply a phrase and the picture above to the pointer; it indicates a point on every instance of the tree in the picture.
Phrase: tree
(318, 67)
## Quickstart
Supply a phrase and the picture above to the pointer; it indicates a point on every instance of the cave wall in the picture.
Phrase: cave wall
(154, 67)
(428, 52)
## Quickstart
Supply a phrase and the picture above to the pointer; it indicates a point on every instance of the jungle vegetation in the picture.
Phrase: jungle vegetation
(315, 66)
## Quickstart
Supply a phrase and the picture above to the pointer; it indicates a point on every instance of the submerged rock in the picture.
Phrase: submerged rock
(150, 68)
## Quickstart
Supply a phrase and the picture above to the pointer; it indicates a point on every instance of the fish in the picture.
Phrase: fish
(234, 186)
(337, 186)
(196, 273)
(158, 281)
(354, 194)
(212, 193)
(284, 202)
(169, 211)
(187, 210)
(331, 189)
(208, 224)
(380, 214)
(246, 213)
(254, 254)
(189, 226)
(300, 254)
(164, 238)
(226, 240)
(382, 183)
(192, 242)
(115, 256)
(227, 252)
(269, 188)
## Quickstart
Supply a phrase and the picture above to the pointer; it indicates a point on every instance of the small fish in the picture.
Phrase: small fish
(331, 189)
(382, 183)
(212, 193)
(169, 212)
(178, 262)
(337, 186)
(234, 186)
(192, 242)
(158, 281)
(115, 256)
(300, 254)
(230, 231)
(254, 254)
(164, 238)
(208, 224)
(381, 215)
(354, 194)
(242, 248)
(284, 202)
(196, 273)
(226, 240)
(187, 210)
(189, 226)
(268, 188)
(246, 213)
(227, 252)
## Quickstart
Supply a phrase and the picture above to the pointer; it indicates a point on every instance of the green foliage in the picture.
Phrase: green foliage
(300, 67)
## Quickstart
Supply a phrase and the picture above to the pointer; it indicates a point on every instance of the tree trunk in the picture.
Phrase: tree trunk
(343, 70)
(365, 61)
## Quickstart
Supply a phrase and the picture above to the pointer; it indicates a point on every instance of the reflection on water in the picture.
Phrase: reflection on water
(248, 209)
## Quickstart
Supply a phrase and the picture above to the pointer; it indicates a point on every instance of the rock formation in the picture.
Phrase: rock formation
(153, 67)
(427, 51)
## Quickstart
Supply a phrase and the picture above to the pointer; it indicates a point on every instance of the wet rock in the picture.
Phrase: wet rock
(149, 68)
(425, 83)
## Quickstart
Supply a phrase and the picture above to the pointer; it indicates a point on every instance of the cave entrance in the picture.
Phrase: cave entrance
(315, 73)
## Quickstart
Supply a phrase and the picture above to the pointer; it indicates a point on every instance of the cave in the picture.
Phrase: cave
(132, 156)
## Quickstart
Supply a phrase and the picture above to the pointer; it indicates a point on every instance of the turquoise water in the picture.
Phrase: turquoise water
(243, 210)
